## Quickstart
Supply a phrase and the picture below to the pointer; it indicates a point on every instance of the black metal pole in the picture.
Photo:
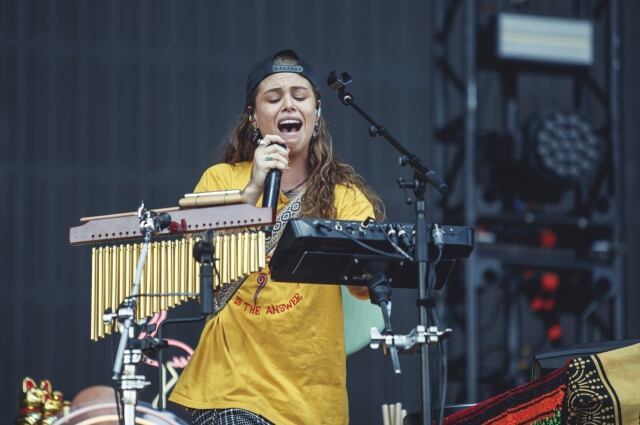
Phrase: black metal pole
(471, 105)
(615, 125)
(421, 256)
(422, 177)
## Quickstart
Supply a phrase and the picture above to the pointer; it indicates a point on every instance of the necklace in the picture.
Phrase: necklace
(292, 191)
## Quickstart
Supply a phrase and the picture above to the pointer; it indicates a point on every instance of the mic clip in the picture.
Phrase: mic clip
(340, 83)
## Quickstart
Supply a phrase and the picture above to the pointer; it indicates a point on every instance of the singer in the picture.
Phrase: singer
(275, 353)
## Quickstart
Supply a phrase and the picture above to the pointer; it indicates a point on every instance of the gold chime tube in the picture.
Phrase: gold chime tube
(262, 257)
(100, 291)
(246, 247)
(135, 252)
(239, 251)
(193, 285)
(161, 274)
(135, 256)
(153, 285)
(121, 270)
(155, 278)
(129, 274)
(174, 247)
(164, 274)
(94, 287)
(196, 273)
(144, 287)
(128, 279)
(253, 263)
(225, 260)
(106, 294)
(217, 273)
(108, 298)
(175, 299)
(183, 265)
(173, 274)
(232, 258)
(143, 280)
(113, 278)
(190, 266)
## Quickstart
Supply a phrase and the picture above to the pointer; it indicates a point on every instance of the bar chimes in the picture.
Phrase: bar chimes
(170, 275)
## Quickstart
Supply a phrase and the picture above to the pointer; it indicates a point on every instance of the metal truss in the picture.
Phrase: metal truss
(454, 102)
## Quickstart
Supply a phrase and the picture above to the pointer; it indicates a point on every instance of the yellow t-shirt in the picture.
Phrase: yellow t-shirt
(276, 349)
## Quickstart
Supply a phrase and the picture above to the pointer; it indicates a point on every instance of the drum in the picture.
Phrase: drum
(96, 406)
(106, 414)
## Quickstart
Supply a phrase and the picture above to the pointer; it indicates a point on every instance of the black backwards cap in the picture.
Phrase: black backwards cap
(266, 67)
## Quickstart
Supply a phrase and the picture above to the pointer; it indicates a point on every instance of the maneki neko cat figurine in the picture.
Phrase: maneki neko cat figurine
(53, 406)
(31, 402)
(39, 405)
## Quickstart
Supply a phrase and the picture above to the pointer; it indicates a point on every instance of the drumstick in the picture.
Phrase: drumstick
(385, 414)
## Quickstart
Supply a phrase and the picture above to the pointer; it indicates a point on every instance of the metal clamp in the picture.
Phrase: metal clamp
(407, 343)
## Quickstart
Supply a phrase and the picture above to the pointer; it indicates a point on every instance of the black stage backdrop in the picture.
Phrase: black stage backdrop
(103, 104)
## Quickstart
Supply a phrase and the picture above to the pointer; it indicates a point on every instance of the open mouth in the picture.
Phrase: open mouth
(290, 126)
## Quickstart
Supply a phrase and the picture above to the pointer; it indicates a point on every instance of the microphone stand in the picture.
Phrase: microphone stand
(129, 352)
(423, 335)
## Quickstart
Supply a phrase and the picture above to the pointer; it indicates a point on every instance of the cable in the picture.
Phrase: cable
(443, 354)
(442, 349)
(431, 276)
(118, 412)
(442, 375)
(394, 244)
(438, 258)
(116, 392)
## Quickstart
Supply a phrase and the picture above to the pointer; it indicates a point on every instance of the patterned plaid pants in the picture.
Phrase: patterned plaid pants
(227, 417)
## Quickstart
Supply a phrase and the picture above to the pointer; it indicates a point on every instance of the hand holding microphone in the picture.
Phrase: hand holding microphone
(270, 159)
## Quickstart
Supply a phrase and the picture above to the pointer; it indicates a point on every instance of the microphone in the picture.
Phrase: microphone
(271, 193)
(271, 189)
(163, 220)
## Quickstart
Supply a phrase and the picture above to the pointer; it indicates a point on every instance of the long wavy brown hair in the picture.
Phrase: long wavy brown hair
(325, 169)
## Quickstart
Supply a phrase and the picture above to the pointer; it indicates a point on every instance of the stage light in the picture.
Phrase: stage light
(544, 39)
(564, 146)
